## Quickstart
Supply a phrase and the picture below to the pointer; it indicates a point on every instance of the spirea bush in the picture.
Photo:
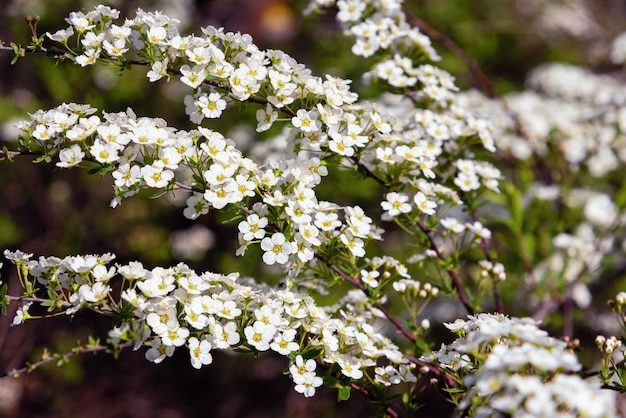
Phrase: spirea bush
(500, 205)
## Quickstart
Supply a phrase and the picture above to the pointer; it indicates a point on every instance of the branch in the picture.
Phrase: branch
(61, 358)
(484, 81)
(496, 292)
(453, 275)
(390, 412)
(59, 304)
(401, 329)
(457, 284)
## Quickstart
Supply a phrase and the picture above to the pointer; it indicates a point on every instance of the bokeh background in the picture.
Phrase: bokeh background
(50, 211)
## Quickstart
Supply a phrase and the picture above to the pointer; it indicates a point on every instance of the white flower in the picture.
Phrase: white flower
(387, 375)
(453, 225)
(369, 277)
(104, 152)
(175, 337)
(70, 157)
(396, 203)
(21, 314)
(423, 204)
(354, 244)
(228, 310)
(193, 77)
(265, 118)
(600, 210)
(284, 342)
(155, 176)
(200, 352)
(196, 206)
(225, 336)
(61, 35)
(259, 335)
(351, 368)
(158, 70)
(467, 181)
(307, 385)
(300, 369)
(277, 249)
(306, 121)
(252, 227)
(158, 351)
(94, 293)
(163, 321)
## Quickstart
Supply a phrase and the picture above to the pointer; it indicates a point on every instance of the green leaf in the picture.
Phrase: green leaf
(159, 194)
(344, 393)
(514, 201)
(620, 196)
(50, 303)
(93, 342)
(17, 52)
(4, 301)
(43, 158)
(124, 314)
(529, 241)
(6, 155)
(455, 390)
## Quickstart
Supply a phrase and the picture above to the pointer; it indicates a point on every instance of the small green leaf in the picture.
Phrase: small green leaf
(17, 52)
(50, 304)
(93, 342)
(159, 194)
(4, 301)
(124, 314)
(514, 200)
(455, 390)
(344, 393)
(6, 155)
(42, 159)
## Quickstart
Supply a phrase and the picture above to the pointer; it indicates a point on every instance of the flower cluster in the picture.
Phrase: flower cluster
(411, 151)
(423, 145)
(166, 308)
(515, 369)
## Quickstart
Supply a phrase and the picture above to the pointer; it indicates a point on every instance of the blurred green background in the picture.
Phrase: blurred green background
(50, 211)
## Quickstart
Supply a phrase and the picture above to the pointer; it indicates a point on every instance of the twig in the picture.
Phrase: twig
(64, 357)
(401, 329)
(390, 412)
(103, 310)
(472, 65)
(453, 275)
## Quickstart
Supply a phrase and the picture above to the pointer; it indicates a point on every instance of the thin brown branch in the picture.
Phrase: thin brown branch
(356, 283)
(390, 412)
(401, 329)
(63, 357)
(455, 279)
(453, 275)
(368, 172)
(432, 370)
(61, 305)
(482, 79)
(12, 154)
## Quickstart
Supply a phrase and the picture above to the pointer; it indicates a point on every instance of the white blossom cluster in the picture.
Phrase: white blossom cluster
(425, 155)
(176, 307)
(566, 108)
(420, 146)
(573, 116)
(563, 19)
(513, 368)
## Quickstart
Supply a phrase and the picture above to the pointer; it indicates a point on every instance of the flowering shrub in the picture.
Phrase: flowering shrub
(431, 153)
